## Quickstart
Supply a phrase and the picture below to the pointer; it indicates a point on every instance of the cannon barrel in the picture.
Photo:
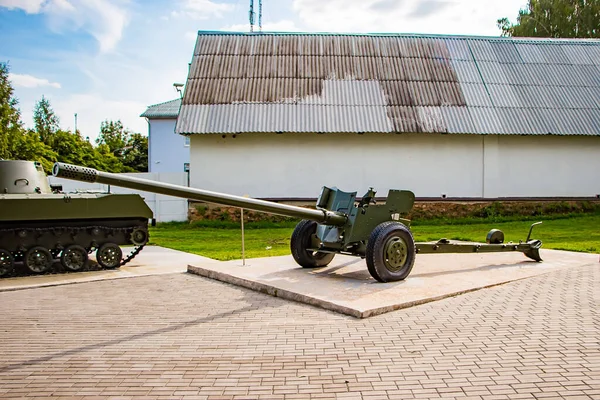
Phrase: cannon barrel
(85, 174)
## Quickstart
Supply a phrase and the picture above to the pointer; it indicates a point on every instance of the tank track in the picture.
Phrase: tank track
(117, 232)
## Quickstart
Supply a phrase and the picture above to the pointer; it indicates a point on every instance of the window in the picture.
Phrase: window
(187, 141)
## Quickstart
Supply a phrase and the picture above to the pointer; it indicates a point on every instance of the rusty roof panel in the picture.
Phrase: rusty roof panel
(430, 119)
(391, 83)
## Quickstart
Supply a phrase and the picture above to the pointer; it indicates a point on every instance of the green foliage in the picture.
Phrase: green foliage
(114, 135)
(556, 19)
(135, 153)
(118, 150)
(222, 240)
(10, 117)
(46, 122)
(29, 147)
(131, 148)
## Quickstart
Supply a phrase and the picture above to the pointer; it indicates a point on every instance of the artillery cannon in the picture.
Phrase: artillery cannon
(341, 224)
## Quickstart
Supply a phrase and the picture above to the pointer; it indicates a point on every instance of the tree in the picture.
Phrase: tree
(114, 135)
(131, 148)
(45, 121)
(555, 18)
(135, 154)
(11, 129)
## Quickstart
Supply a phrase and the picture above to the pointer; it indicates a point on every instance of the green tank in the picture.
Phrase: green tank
(40, 224)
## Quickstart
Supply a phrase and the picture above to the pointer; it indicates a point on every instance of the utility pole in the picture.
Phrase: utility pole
(75, 123)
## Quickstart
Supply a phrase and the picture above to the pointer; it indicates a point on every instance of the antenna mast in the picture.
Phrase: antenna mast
(251, 15)
(260, 15)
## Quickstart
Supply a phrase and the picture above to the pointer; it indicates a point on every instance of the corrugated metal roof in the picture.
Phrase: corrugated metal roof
(168, 109)
(277, 82)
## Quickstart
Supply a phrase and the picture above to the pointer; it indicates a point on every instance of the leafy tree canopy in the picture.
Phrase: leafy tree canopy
(118, 150)
(45, 121)
(10, 116)
(556, 19)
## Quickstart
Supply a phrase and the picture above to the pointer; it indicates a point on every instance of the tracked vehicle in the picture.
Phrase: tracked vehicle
(40, 225)
(341, 224)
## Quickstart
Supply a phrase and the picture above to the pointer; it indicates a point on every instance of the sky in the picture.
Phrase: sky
(110, 59)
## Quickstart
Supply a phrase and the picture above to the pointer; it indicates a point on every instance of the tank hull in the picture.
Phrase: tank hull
(39, 226)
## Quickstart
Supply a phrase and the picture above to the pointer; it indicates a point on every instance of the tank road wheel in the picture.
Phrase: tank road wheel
(139, 236)
(7, 262)
(74, 258)
(38, 259)
(300, 243)
(390, 252)
(109, 255)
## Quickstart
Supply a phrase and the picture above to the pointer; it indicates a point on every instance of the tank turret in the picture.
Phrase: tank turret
(22, 177)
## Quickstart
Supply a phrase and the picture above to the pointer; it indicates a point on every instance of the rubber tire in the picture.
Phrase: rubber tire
(49, 259)
(301, 241)
(8, 263)
(102, 263)
(77, 248)
(375, 253)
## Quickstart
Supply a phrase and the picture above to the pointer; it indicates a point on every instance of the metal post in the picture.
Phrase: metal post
(243, 244)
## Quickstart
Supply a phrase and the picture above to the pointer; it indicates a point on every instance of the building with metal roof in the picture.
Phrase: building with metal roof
(505, 99)
(166, 151)
(166, 110)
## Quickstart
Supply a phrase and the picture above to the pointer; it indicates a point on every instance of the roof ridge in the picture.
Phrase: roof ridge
(164, 102)
(403, 35)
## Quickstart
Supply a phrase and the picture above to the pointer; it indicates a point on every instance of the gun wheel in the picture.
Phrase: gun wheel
(74, 258)
(390, 252)
(7, 262)
(302, 240)
(109, 255)
(38, 259)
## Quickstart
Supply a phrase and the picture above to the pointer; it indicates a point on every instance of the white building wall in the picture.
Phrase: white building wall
(545, 166)
(167, 151)
(298, 165)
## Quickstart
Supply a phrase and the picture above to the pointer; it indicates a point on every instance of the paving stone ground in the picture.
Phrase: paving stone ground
(183, 336)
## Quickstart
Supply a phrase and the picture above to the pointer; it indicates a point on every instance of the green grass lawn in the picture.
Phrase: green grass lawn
(222, 240)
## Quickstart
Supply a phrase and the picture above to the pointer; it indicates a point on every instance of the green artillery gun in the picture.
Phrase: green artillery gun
(341, 224)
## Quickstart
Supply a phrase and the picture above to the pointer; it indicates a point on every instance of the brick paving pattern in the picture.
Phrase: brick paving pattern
(182, 336)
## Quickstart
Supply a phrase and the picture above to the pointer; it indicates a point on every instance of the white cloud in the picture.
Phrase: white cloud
(29, 6)
(407, 16)
(279, 26)
(92, 109)
(28, 81)
(202, 9)
(103, 19)
(191, 35)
